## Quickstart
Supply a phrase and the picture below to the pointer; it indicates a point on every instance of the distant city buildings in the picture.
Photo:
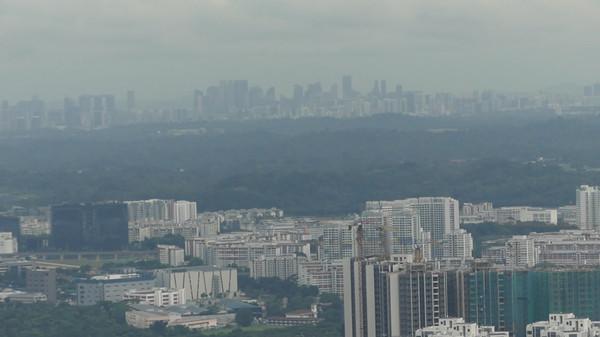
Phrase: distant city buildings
(240, 99)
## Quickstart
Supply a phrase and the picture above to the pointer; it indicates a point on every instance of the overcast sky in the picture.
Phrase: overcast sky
(168, 47)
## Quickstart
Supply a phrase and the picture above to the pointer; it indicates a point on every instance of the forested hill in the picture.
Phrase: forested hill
(312, 166)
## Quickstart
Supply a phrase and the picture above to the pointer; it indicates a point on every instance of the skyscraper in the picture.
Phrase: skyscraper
(385, 299)
(347, 90)
(588, 207)
(130, 101)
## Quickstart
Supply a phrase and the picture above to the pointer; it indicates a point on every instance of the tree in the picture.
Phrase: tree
(159, 327)
(244, 317)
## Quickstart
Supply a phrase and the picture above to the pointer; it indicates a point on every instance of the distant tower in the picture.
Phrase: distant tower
(198, 103)
(347, 90)
(130, 101)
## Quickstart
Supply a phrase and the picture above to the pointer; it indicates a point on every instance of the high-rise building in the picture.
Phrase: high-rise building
(131, 101)
(41, 280)
(382, 298)
(347, 90)
(338, 241)
(198, 107)
(437, 215)
(373, 224)
(403, 233)
(520, 252)
(184, 211)
(588, 207)
(101, 226)
(458, 245)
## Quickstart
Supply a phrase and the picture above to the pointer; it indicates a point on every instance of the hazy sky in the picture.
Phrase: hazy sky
(168, 47)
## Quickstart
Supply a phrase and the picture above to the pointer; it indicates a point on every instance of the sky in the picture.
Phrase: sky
(166, 48)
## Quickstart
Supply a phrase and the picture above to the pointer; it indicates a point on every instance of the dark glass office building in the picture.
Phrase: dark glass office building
(97, 226)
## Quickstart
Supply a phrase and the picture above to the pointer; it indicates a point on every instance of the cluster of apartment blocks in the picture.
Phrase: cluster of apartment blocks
(386, 298)
(423, 228)
(585, 214)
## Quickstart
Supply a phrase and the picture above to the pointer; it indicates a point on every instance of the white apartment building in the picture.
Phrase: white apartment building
(588, 207)
(327, 276)
(8, 244)
(456, 327)
(153, 210)
(159, 297)
(226, 250)
(437, 215)
(567, 215)
(515, 214)
(458, 245)
(338, 240)
(171, 255)
(184, 211)
(281, 267)
(520, 252)
(188, 229)
(477, 213)
(564, 325)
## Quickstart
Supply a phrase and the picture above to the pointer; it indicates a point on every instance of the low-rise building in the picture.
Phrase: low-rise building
(200, 282)
(21, 296)
(516, 214)
(111, 288)
(144, 316)
(564, 325)
(159, 297)
(456, 327)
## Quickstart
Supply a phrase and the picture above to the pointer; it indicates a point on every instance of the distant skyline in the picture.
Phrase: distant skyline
(164, 49)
